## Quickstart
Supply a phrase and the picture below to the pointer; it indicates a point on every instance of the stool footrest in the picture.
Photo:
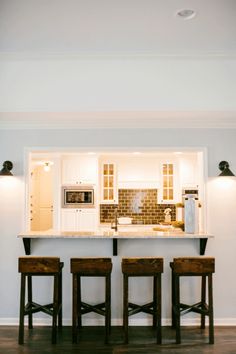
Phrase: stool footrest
(199, 307)
(33, 307)
(147, 308)
(99, 308)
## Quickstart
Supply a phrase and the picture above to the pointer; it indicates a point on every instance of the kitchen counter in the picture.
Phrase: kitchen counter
(127, 232)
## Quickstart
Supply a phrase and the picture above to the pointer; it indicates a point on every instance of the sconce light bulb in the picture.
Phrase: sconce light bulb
(46, 167)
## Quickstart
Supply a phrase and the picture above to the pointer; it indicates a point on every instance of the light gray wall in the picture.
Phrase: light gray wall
(75, 84)
(221, 206)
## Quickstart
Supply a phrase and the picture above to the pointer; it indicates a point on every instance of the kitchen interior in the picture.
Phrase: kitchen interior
(85, 191)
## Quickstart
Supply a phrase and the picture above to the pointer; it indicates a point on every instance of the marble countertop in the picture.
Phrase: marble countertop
(123, 232)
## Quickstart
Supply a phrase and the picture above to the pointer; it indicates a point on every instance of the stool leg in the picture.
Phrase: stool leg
(55, 309)
(155, 305)
(30, 316)
(22, 310)
(79, 301)
(203, 300)
(60, 301)
(173, 299)
(108, 307)
(159, 328)
(211, 320)
(177, 308)
(125, 306)
(74, 308)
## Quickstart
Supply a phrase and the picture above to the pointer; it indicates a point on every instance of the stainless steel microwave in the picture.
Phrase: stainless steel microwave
(77, 197)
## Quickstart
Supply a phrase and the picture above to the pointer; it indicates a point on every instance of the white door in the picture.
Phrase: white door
(41, 199)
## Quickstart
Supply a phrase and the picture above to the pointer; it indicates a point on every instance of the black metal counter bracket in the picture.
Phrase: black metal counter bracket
(27, 246)
(203, 243)
(115, 247)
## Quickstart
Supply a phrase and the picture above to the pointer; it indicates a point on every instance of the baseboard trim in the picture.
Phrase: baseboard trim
(118, 322)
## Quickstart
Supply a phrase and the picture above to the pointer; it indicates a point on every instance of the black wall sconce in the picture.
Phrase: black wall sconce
(224, 167)
(6, 170)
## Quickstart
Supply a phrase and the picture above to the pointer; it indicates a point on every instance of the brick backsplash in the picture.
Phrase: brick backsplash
(139, 204)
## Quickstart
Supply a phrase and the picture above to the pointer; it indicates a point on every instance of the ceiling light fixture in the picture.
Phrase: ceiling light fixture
(47, 166)
(186, 14)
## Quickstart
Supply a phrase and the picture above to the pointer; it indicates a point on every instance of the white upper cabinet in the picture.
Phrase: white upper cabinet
(167, 192)
(137, 172)
(189, 170)
(80, 169)
(109, 190)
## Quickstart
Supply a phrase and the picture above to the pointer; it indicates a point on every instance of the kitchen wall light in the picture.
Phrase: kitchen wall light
(47, 166)
(224, 168)
(6, 170)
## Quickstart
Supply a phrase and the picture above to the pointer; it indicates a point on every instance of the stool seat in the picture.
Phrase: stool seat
(193, 266)
(90, 267)
(40, 266)
(142, 267)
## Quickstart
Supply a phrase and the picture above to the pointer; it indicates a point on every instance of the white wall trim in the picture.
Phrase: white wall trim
(118, 322)
(119, 120)
(120, 55)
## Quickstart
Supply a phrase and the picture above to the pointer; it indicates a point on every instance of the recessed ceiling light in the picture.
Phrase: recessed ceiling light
(186, 14)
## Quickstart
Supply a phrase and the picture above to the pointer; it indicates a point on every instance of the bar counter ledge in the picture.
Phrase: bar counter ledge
(113, 235)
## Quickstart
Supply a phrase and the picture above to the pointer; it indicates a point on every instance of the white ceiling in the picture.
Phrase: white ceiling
(118, 27)
(135, 28)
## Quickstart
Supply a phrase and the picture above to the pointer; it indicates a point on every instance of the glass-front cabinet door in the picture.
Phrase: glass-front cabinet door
(168, 192)
(109, 183)
(168, 181)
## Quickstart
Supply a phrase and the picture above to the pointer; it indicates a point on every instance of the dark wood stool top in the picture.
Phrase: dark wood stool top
(93, 266)
(39, 265)
(193, 265)
(86, 267)
(142, 266)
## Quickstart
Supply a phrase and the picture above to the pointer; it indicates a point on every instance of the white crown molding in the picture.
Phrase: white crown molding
(152, 55)
(119, 120)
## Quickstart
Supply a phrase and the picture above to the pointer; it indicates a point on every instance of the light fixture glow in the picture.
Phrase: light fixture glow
(47, 166)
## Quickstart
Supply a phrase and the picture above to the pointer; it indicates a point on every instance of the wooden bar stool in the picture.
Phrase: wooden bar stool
(193, 266)
(40, 266)
(142, 267)
(90, 267)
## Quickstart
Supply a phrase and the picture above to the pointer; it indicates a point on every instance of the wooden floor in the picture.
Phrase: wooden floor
(142, 341)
